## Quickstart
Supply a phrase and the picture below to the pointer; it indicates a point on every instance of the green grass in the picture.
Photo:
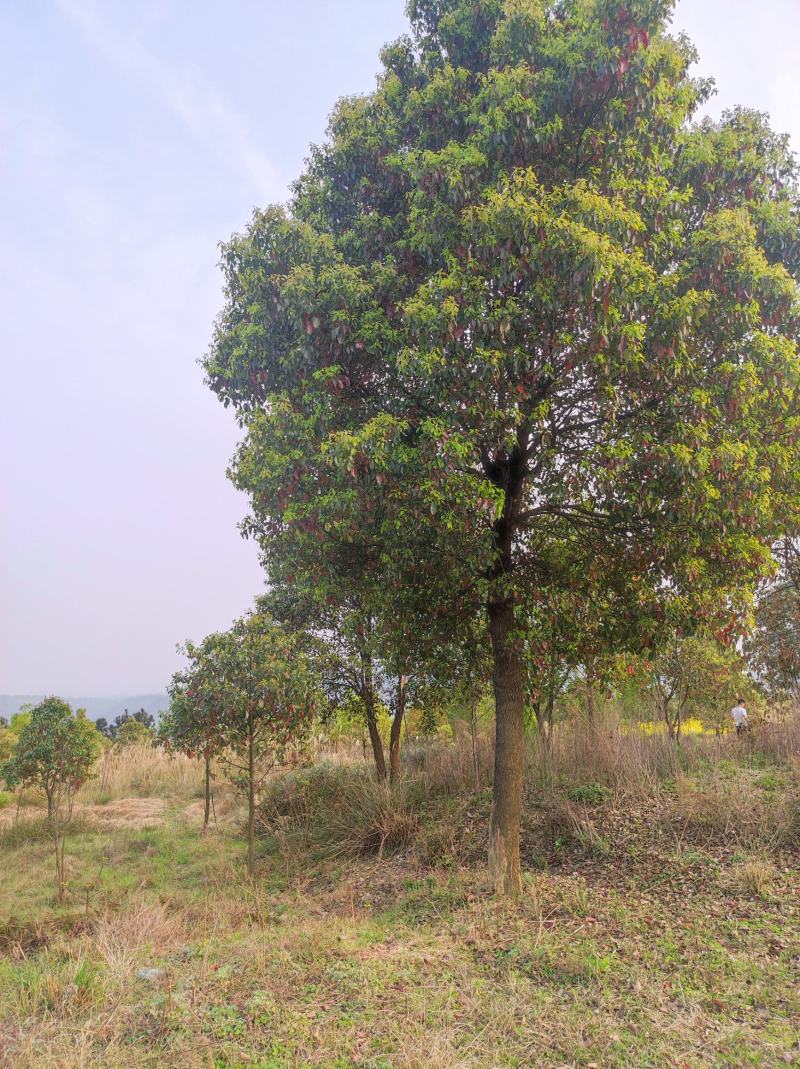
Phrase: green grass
(590, 794)
(650, 952)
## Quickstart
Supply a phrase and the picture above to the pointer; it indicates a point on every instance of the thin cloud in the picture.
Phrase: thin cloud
(200, 109)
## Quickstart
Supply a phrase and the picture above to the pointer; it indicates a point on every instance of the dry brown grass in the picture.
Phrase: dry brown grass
(380, 820)
(451, 766)
(126, 813)
(339, 810)
(734, 806)
(123, 940)
(403, 960)
(778, 737)
(612, 752)
(606, 751)
(142, 772)
(755, 877)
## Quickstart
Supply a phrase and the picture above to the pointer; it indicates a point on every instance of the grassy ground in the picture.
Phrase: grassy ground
(654, 931)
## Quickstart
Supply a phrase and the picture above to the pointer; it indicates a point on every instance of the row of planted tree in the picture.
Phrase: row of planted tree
(249, 700)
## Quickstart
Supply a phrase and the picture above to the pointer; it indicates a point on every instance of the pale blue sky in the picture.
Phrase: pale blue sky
(133, 137)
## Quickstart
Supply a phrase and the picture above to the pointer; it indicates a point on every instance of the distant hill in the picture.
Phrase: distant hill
(95, 707)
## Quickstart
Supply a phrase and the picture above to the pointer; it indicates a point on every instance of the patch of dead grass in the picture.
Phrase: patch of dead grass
(126, 813)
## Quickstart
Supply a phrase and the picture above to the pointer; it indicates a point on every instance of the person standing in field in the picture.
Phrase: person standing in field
(739, 716)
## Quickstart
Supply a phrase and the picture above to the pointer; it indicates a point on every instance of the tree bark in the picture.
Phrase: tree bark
(372, 722)
(590, 705)
(207, 806)
(397, 727)
(544, 720)
(375, 739)
(473, 730)
(58, 842)
(251, 804)
(509, 763)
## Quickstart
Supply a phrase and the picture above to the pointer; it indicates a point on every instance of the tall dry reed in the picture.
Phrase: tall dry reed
(143, 772)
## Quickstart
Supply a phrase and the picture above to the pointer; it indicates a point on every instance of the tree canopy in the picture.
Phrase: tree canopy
(524, 331)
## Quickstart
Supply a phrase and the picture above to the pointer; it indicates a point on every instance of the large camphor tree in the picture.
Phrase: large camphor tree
(521, 322)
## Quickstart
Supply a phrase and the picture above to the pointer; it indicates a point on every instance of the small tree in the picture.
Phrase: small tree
(112, 730)
(55, 754)
(346, 632)
(260, 685)
(133, 732)
(193, 724)
(772, 647)
(696, 675)
(20, 720)
(8, 741)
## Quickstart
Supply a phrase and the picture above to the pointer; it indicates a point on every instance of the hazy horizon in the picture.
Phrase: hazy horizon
(136, 137)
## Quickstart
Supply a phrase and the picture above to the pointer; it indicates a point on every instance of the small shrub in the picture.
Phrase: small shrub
(755, 877)
(575, 899)
(590, 794)
(589, 839)
(435, 844)
(6, 798)
(339, 810)
(377, 821)
(770, 781)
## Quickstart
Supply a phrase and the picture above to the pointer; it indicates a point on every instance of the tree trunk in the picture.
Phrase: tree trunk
(58, 842)
(667, 718)
(590, 705)
(509, 763)
(397, 727)
(251, 805)
(473, 730)
(544, 721)
(207, 807)
(548, 716)
(372, 723)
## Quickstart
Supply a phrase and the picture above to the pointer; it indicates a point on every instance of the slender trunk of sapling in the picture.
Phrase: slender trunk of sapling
(590, 706)
(62, 873)
(372, 723)
(207, 801)
(377, 744)
(58, 842)
(251, 803)
(397, 727)
(473, 730)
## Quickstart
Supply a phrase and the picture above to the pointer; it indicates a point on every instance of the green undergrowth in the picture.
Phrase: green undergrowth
(662, 945)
